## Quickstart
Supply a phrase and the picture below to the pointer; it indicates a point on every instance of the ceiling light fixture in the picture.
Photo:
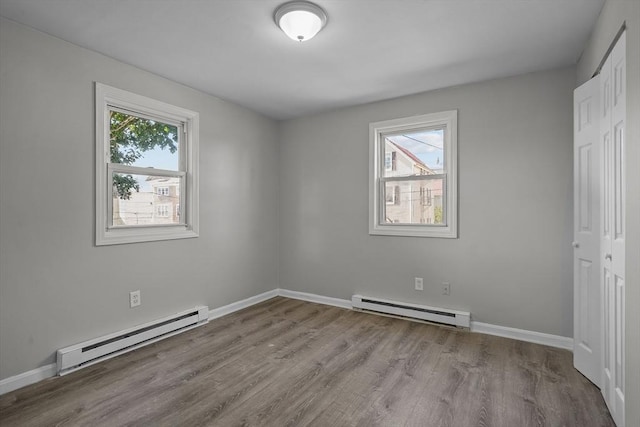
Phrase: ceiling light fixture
(300, 20)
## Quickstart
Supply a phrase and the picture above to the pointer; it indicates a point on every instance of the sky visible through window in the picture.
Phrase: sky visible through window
(144, 143)
(158, 158)
(427, 145)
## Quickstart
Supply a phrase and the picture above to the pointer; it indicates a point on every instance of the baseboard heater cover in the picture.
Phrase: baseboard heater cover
(87, 353)
(445, 316)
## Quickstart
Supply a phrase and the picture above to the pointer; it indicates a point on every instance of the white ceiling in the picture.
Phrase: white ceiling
(369, 50)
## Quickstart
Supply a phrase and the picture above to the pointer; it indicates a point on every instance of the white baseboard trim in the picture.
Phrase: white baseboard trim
(336, 302)
(30, 377)
(27, 378)
(523, 335)
(478, 327)
(239, 305)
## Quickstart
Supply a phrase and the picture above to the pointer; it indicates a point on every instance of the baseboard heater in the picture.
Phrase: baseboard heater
(410, 311)
(87, 353)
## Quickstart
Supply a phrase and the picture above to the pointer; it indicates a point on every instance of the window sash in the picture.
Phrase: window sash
(180, 125)
(136, 170)
(382, 136)
(414, 177)
(382, 208)
(156, 117)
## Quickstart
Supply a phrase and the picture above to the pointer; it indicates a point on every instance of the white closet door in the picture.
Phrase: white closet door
(599, 230)
(612, 139)
(587, 316)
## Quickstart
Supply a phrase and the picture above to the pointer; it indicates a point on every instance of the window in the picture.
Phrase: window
(413, 176)
(146, 166)
(392, 195)
(390, 161)
(162, 211)
(425, 196)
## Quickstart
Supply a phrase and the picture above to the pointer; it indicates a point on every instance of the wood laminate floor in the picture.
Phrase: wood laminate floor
(286, 362)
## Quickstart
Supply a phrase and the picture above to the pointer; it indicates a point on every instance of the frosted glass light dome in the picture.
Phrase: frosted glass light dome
(300, 20)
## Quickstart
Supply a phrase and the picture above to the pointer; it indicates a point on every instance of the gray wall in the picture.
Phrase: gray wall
(511, 265)
(613, 15)
(56, 287)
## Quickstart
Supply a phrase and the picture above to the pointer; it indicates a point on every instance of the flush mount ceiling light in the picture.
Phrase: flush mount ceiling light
(300, 20)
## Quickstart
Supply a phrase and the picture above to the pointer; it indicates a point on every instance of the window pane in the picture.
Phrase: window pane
(414, 202)
(143, 142)
(414, 153)
(145, 200)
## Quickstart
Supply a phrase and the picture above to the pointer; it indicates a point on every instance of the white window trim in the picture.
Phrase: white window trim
(107, 96)
(376, 166)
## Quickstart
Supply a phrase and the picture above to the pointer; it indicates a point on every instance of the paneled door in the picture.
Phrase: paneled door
(599, 230)
(612, 242)
(587, 313)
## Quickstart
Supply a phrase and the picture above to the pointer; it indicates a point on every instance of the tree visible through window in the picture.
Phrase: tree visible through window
(130, 138)
(144, 143)
(146, 170)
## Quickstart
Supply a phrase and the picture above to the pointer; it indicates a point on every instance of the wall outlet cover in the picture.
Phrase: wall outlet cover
(446, 288)
(134, 299)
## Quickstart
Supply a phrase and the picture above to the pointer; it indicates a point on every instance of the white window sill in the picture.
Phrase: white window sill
(414, 231)
(150, 234)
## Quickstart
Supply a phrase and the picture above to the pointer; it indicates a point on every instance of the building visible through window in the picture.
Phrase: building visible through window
(413, 177)
(150, 171)
(409, 201)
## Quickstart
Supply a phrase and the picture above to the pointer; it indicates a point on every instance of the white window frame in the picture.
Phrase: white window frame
(162, 191)
(377, 132)
(108, 98)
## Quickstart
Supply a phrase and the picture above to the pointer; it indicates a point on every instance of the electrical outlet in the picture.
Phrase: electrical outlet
(134, 299)
(446, 288)
(419, 285)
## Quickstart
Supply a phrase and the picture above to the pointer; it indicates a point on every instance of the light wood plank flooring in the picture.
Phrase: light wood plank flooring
(286, 362)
